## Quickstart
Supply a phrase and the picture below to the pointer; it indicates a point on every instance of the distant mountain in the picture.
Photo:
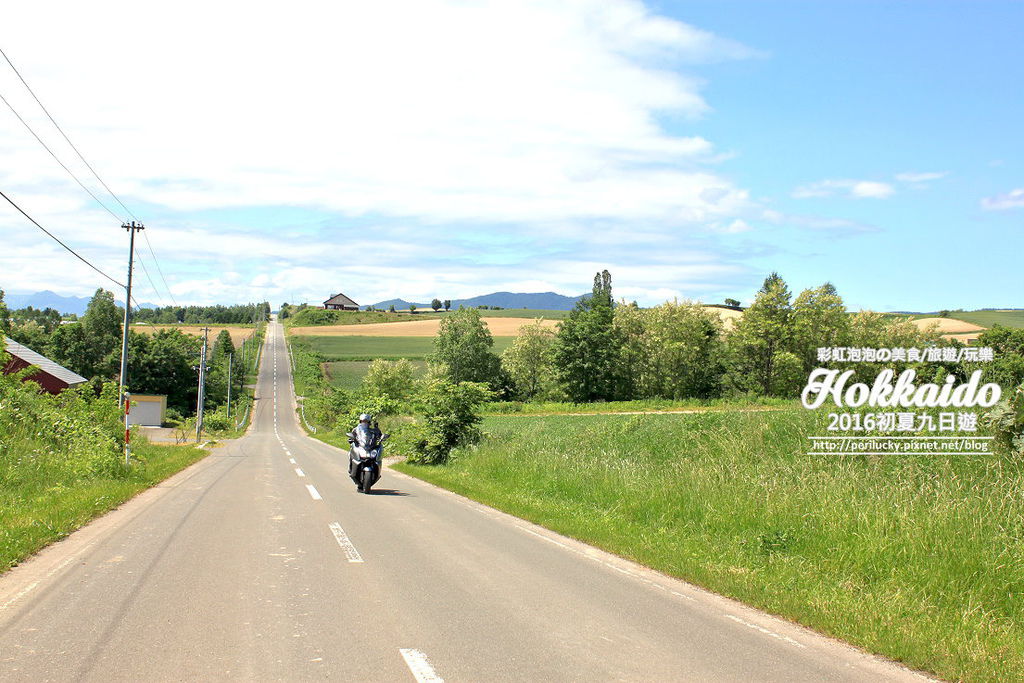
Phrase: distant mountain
(541, 301)
(48, 299)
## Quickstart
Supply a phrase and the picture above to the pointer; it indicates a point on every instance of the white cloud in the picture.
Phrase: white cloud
(1014, 199)
(857, 189)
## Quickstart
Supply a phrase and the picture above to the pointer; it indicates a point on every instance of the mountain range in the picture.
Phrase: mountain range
(542, 301)
(48, 299)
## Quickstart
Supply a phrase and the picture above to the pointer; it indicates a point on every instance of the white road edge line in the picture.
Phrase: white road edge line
(313, 492)
(773, 634)
(350, 550)
(419, 666)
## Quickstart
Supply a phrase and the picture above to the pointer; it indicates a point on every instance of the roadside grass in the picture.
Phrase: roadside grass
(349, 374)
(39, 510)
(368, 348)
(650, 405)
(916, 557)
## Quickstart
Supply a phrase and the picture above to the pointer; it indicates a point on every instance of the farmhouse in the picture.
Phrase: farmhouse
(50, 376)
(340, 302)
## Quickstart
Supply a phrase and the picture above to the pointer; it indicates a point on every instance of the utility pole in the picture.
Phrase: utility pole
(231, 361)
(202, 385)
(132, 228)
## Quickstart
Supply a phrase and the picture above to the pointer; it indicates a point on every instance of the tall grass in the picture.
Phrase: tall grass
(913, 556)
(61, 464)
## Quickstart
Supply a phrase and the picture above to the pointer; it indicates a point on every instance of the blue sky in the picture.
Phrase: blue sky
(445, 148)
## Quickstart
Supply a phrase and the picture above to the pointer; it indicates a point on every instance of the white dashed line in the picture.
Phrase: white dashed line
(419, 666)
(299, 472)
(346, 545)
(313, 492)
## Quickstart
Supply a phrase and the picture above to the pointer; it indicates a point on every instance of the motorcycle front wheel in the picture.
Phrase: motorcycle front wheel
(367, 479)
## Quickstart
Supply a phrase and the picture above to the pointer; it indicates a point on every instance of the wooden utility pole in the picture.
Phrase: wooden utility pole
(132, 228)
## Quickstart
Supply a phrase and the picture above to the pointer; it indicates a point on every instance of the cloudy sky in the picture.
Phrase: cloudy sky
(452, 148)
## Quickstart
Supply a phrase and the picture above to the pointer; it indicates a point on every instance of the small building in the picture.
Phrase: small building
(51, 376)
(148, 410)
(340, 302)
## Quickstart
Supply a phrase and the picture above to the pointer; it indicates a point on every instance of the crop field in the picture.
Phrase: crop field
(239, 333)
(500, 327)
(991, 318)
(367, 348)
(348, 374)
(914, 557)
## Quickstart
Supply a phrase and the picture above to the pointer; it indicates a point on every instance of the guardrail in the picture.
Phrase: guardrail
(302, 412)
(245, 416)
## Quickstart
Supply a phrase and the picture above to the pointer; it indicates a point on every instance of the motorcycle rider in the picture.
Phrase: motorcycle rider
(365, 440)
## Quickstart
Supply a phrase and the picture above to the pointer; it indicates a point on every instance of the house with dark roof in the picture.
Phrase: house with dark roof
(340, 302)
(51, 376)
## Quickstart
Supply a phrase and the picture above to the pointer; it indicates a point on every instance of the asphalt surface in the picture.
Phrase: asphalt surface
(262, 562)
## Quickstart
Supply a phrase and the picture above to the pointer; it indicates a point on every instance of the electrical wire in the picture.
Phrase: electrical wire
(92, 170)
(58, 241)
(57, 159)
(66, 138)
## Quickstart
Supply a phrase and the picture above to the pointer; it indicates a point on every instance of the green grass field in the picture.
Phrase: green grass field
(348, 374)
(981, 318)
(367, 348)
(36, 512)
(913, 557)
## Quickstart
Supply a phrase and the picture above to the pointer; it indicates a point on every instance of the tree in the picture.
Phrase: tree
(587, 349)
(436, 305)
(671, 351)
(761, 335)
(222, 346)
(102, 327)
(463, 349)
(162, 364)
(5, 316)
(412, 308)
(391, 308)
(819, 320)
(529, 361)
(447, 304)
(389, 378)
(732, 302)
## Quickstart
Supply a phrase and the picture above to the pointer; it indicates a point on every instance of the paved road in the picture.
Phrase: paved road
(263, 563)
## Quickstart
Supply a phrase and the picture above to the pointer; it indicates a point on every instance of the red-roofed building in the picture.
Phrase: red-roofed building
(51, 376)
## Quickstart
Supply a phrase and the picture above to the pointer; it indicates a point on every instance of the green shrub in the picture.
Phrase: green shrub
(450, 418)
(1007, 421)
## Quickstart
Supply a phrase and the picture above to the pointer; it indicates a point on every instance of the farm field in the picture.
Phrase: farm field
(354, 347)
(499, 327)
(911, 557)
(348, 374)
(991, 318)
(239, 333)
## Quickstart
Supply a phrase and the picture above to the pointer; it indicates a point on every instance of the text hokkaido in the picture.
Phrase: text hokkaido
(884, 394)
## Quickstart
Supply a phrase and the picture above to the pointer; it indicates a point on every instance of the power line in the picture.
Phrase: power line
(58, 241)
(66, 138)
(92, 170)
(159, 269)
(57, 159)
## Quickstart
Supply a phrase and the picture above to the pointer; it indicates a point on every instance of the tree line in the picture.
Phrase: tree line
(165, 362)
(606, 351)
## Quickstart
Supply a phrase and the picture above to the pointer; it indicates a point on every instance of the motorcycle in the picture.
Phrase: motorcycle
(364, 466)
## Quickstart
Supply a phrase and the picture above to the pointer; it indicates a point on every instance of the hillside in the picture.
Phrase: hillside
(544, 301)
